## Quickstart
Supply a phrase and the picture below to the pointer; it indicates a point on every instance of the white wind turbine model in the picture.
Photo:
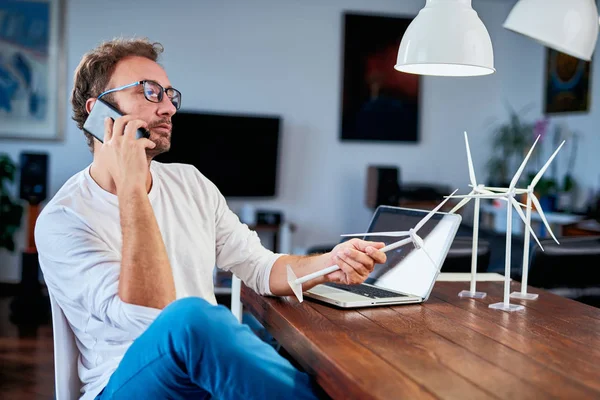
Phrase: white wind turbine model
(531, 197)
(412, 236)
(477, 189)
(509, 195)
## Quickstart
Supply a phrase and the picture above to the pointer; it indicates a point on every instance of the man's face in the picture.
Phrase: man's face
(131, 101)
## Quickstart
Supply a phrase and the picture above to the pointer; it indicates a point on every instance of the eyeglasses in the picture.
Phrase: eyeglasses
(153, 92)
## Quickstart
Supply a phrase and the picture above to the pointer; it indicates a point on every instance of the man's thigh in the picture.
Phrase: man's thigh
(194, 349)
(150, 369)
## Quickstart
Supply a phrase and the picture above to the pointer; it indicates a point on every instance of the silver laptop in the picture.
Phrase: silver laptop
(408, 275)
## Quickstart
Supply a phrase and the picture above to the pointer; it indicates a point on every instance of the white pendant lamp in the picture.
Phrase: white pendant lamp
(569, 26)
(446, 38)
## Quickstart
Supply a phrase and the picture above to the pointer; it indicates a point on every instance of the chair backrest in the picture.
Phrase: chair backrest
(575, 263)
(460, 254)
(66, 379)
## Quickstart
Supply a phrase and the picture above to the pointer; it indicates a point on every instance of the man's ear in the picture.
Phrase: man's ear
(89, 104)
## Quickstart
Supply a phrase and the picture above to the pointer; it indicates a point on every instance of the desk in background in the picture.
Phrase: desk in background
(445, 348)
(494, 217)
(589, 227)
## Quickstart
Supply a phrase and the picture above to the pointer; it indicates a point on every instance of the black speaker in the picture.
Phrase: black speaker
(34, 177)
(264, 217)
(383, 186)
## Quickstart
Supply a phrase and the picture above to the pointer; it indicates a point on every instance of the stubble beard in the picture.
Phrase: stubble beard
(162, 142)
(160, 139)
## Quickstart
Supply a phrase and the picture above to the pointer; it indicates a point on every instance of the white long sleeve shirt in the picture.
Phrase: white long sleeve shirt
(78, 237)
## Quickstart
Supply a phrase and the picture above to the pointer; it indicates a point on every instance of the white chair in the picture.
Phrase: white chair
(66, 379)
(284, 246)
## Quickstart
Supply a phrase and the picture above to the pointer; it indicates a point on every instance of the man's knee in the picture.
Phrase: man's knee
(198, 316)
(187, 306)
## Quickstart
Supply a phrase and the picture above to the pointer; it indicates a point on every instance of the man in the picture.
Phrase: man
(128, 247)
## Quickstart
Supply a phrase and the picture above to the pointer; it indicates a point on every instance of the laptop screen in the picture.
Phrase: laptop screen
(407, 269)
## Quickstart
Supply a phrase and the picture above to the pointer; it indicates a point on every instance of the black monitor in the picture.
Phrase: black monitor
(238, 153)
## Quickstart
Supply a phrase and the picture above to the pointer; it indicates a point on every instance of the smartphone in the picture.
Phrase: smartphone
(94, 124)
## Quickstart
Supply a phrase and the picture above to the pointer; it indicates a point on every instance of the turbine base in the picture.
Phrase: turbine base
(507, 307)
(472, 295)
(524, 296)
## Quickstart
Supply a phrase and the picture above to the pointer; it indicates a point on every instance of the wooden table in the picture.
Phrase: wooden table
(446, 348)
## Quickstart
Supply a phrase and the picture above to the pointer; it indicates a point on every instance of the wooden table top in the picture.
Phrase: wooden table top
(446, 348)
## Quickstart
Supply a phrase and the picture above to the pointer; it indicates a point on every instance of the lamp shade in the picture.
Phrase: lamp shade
(446, 38)
(569, 26)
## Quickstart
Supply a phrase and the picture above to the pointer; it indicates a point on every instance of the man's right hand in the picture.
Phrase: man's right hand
(146, 278)
(126, 156)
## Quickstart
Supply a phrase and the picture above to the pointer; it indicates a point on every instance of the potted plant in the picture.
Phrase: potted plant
(10, 211)
(569, 185)
(511, 140)
(556, 193)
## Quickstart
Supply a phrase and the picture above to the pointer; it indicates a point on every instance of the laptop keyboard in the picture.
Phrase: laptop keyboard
(364, 290)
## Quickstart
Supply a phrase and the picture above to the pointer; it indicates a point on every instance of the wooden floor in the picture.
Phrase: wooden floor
(26, 359)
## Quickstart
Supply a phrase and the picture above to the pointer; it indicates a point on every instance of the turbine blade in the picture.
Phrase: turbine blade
(460, 205)
(515, 179)
(484, 191)
(541, 212)
(524, 219)
(291, 279)
(502, 190)
(395, 245)
(481, 196)
(428, 216)
(537, 178)
(470, 161)
(428, 256)
(388, 234)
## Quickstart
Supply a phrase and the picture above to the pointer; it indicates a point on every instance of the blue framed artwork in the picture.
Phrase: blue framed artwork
(568, 82)
(32, 69)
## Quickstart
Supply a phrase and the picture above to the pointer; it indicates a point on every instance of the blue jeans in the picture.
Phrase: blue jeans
(194, 350)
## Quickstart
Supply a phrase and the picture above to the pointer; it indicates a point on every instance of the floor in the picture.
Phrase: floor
(26, 359)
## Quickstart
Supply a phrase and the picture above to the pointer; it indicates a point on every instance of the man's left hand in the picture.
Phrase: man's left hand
(356, 259)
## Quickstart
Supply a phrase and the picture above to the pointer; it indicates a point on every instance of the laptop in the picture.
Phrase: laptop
(408, 276)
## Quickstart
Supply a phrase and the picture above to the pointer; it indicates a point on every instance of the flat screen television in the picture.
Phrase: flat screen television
(238, 153)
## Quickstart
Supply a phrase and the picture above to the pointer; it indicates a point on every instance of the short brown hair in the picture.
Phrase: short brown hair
(97, 66)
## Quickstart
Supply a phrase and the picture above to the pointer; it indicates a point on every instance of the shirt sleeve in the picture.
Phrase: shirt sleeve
(83, 273)
(239, 250)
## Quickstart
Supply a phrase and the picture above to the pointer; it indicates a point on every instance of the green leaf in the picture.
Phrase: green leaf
(11, 212)
(7, 169)
(568, 183)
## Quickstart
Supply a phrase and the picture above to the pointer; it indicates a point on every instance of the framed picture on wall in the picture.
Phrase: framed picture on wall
(32, 69)
(378, 102)
(568, 83)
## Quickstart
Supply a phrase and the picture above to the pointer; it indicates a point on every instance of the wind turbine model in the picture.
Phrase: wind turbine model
(509, 195)
(531, 197)
(296, 283)
(477, 189)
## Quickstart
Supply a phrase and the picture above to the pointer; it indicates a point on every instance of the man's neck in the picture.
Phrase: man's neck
(102, 177)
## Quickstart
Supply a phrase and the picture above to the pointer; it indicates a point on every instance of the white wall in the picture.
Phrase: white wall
(284, 57)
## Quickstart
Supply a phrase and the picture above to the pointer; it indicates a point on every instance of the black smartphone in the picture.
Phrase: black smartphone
(94, 124)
